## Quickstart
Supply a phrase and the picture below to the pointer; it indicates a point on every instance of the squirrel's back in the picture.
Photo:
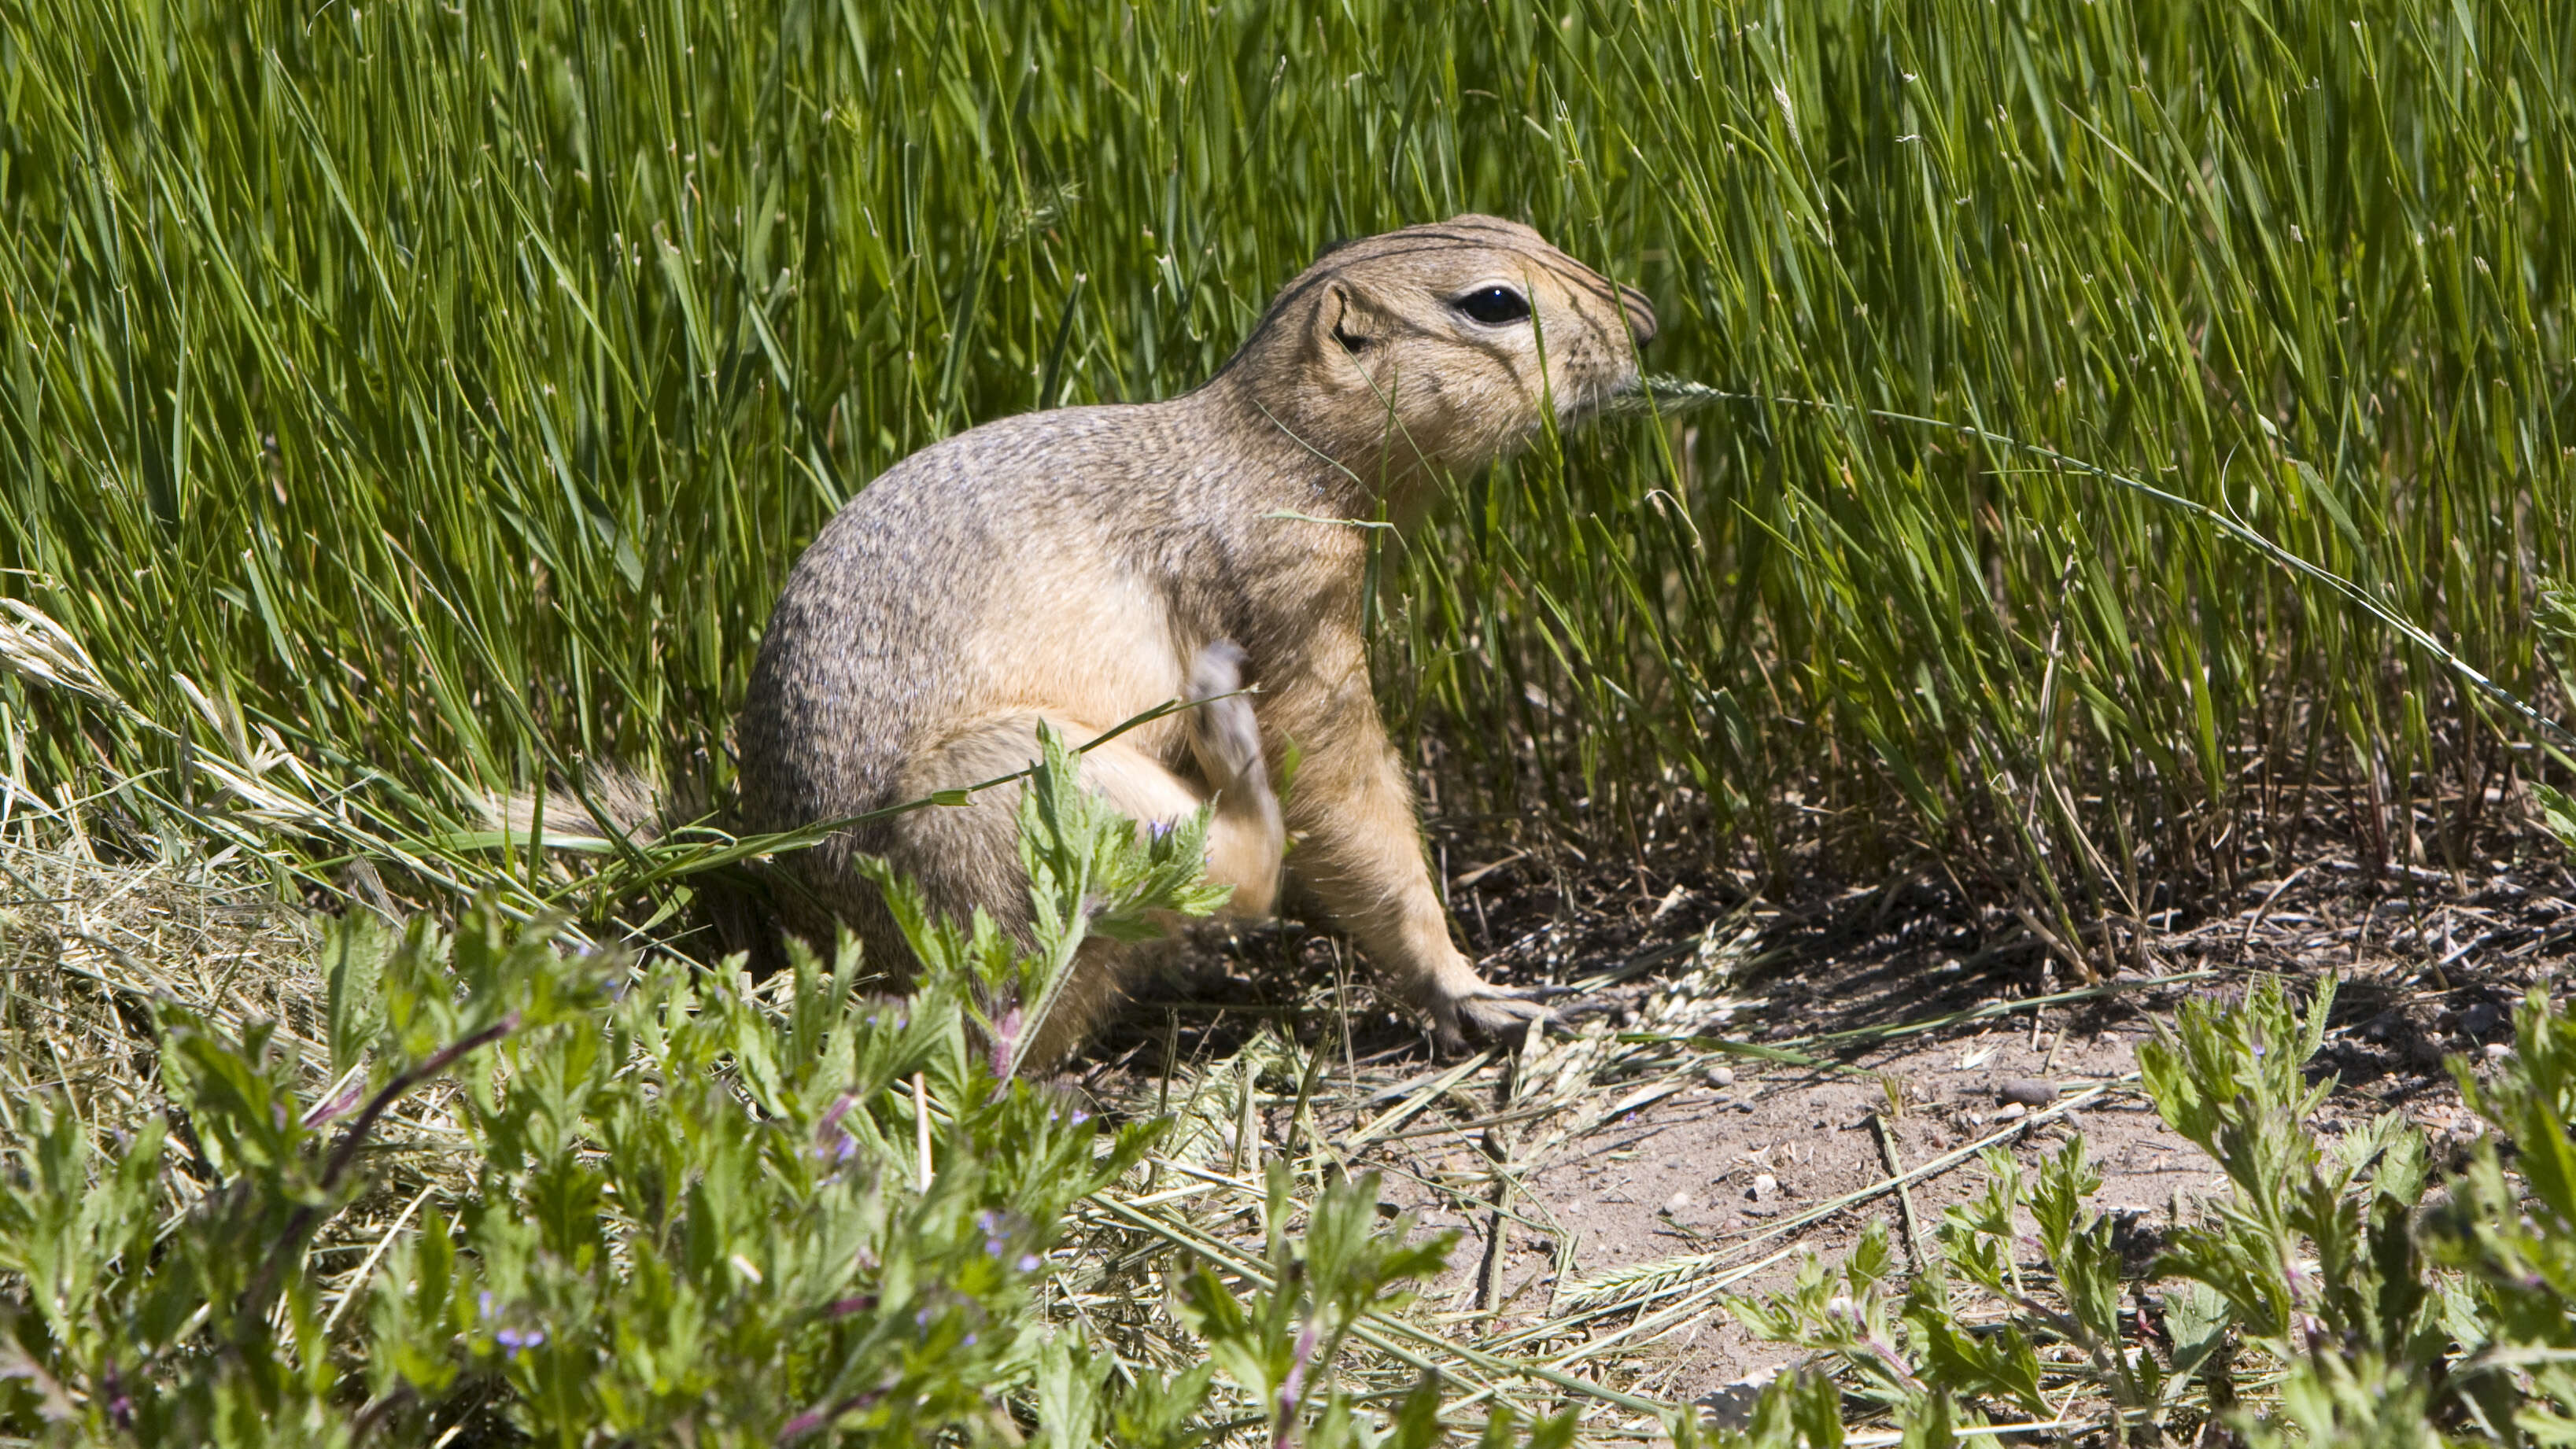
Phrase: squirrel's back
(938, 593)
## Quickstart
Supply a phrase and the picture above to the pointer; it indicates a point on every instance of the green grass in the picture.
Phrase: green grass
(448, 391)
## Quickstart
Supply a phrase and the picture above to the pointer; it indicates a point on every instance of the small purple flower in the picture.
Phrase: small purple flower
(1080, 1116)
(120, 1404)
(921, 1319)
(1029, 1262)
(1158, 830)
(520, 1340)
(831, 1143)
(483, 1304)
(967, 1342)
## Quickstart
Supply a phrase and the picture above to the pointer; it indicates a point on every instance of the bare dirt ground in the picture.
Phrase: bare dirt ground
(1646, 1157)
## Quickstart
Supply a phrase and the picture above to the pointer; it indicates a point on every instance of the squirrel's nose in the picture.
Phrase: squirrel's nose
(1640, 314)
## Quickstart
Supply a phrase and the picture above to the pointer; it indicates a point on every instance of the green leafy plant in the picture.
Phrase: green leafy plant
(2511, 1235)
(2321, 1300)
(661, 1205)
(1282, 1340)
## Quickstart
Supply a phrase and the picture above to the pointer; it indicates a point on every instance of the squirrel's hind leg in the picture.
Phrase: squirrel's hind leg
(1243, 851)
(969, 856)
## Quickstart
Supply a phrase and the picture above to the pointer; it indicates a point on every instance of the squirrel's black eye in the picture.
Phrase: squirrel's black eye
(1493, 306)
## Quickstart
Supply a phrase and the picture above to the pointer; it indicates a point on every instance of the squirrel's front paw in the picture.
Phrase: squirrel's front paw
(1224, 732)
(1492, 1016)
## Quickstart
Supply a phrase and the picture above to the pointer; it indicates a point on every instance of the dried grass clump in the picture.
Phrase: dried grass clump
(87, 945)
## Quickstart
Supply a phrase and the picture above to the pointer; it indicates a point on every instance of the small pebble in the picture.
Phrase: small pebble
(1741, 1105)
(1721, 1076)
(2027, 1092)
(1678, 1203)
(2497, 1050)
(2481, 1018)
(2013, 1113)
(1765, 1187)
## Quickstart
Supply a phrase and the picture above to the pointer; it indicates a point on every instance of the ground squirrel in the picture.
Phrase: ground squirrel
(1083, 565)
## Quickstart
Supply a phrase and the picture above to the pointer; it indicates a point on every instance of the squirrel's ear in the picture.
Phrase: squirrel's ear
(1340, 321)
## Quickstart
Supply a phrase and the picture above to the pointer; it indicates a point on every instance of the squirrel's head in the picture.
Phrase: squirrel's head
(1441, 347)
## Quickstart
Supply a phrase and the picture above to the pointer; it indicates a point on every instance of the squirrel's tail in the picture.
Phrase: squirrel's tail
(617, 803)
(614, 803)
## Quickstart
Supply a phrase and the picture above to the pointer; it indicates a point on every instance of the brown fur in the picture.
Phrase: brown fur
(1081, 566)
(630, 806)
